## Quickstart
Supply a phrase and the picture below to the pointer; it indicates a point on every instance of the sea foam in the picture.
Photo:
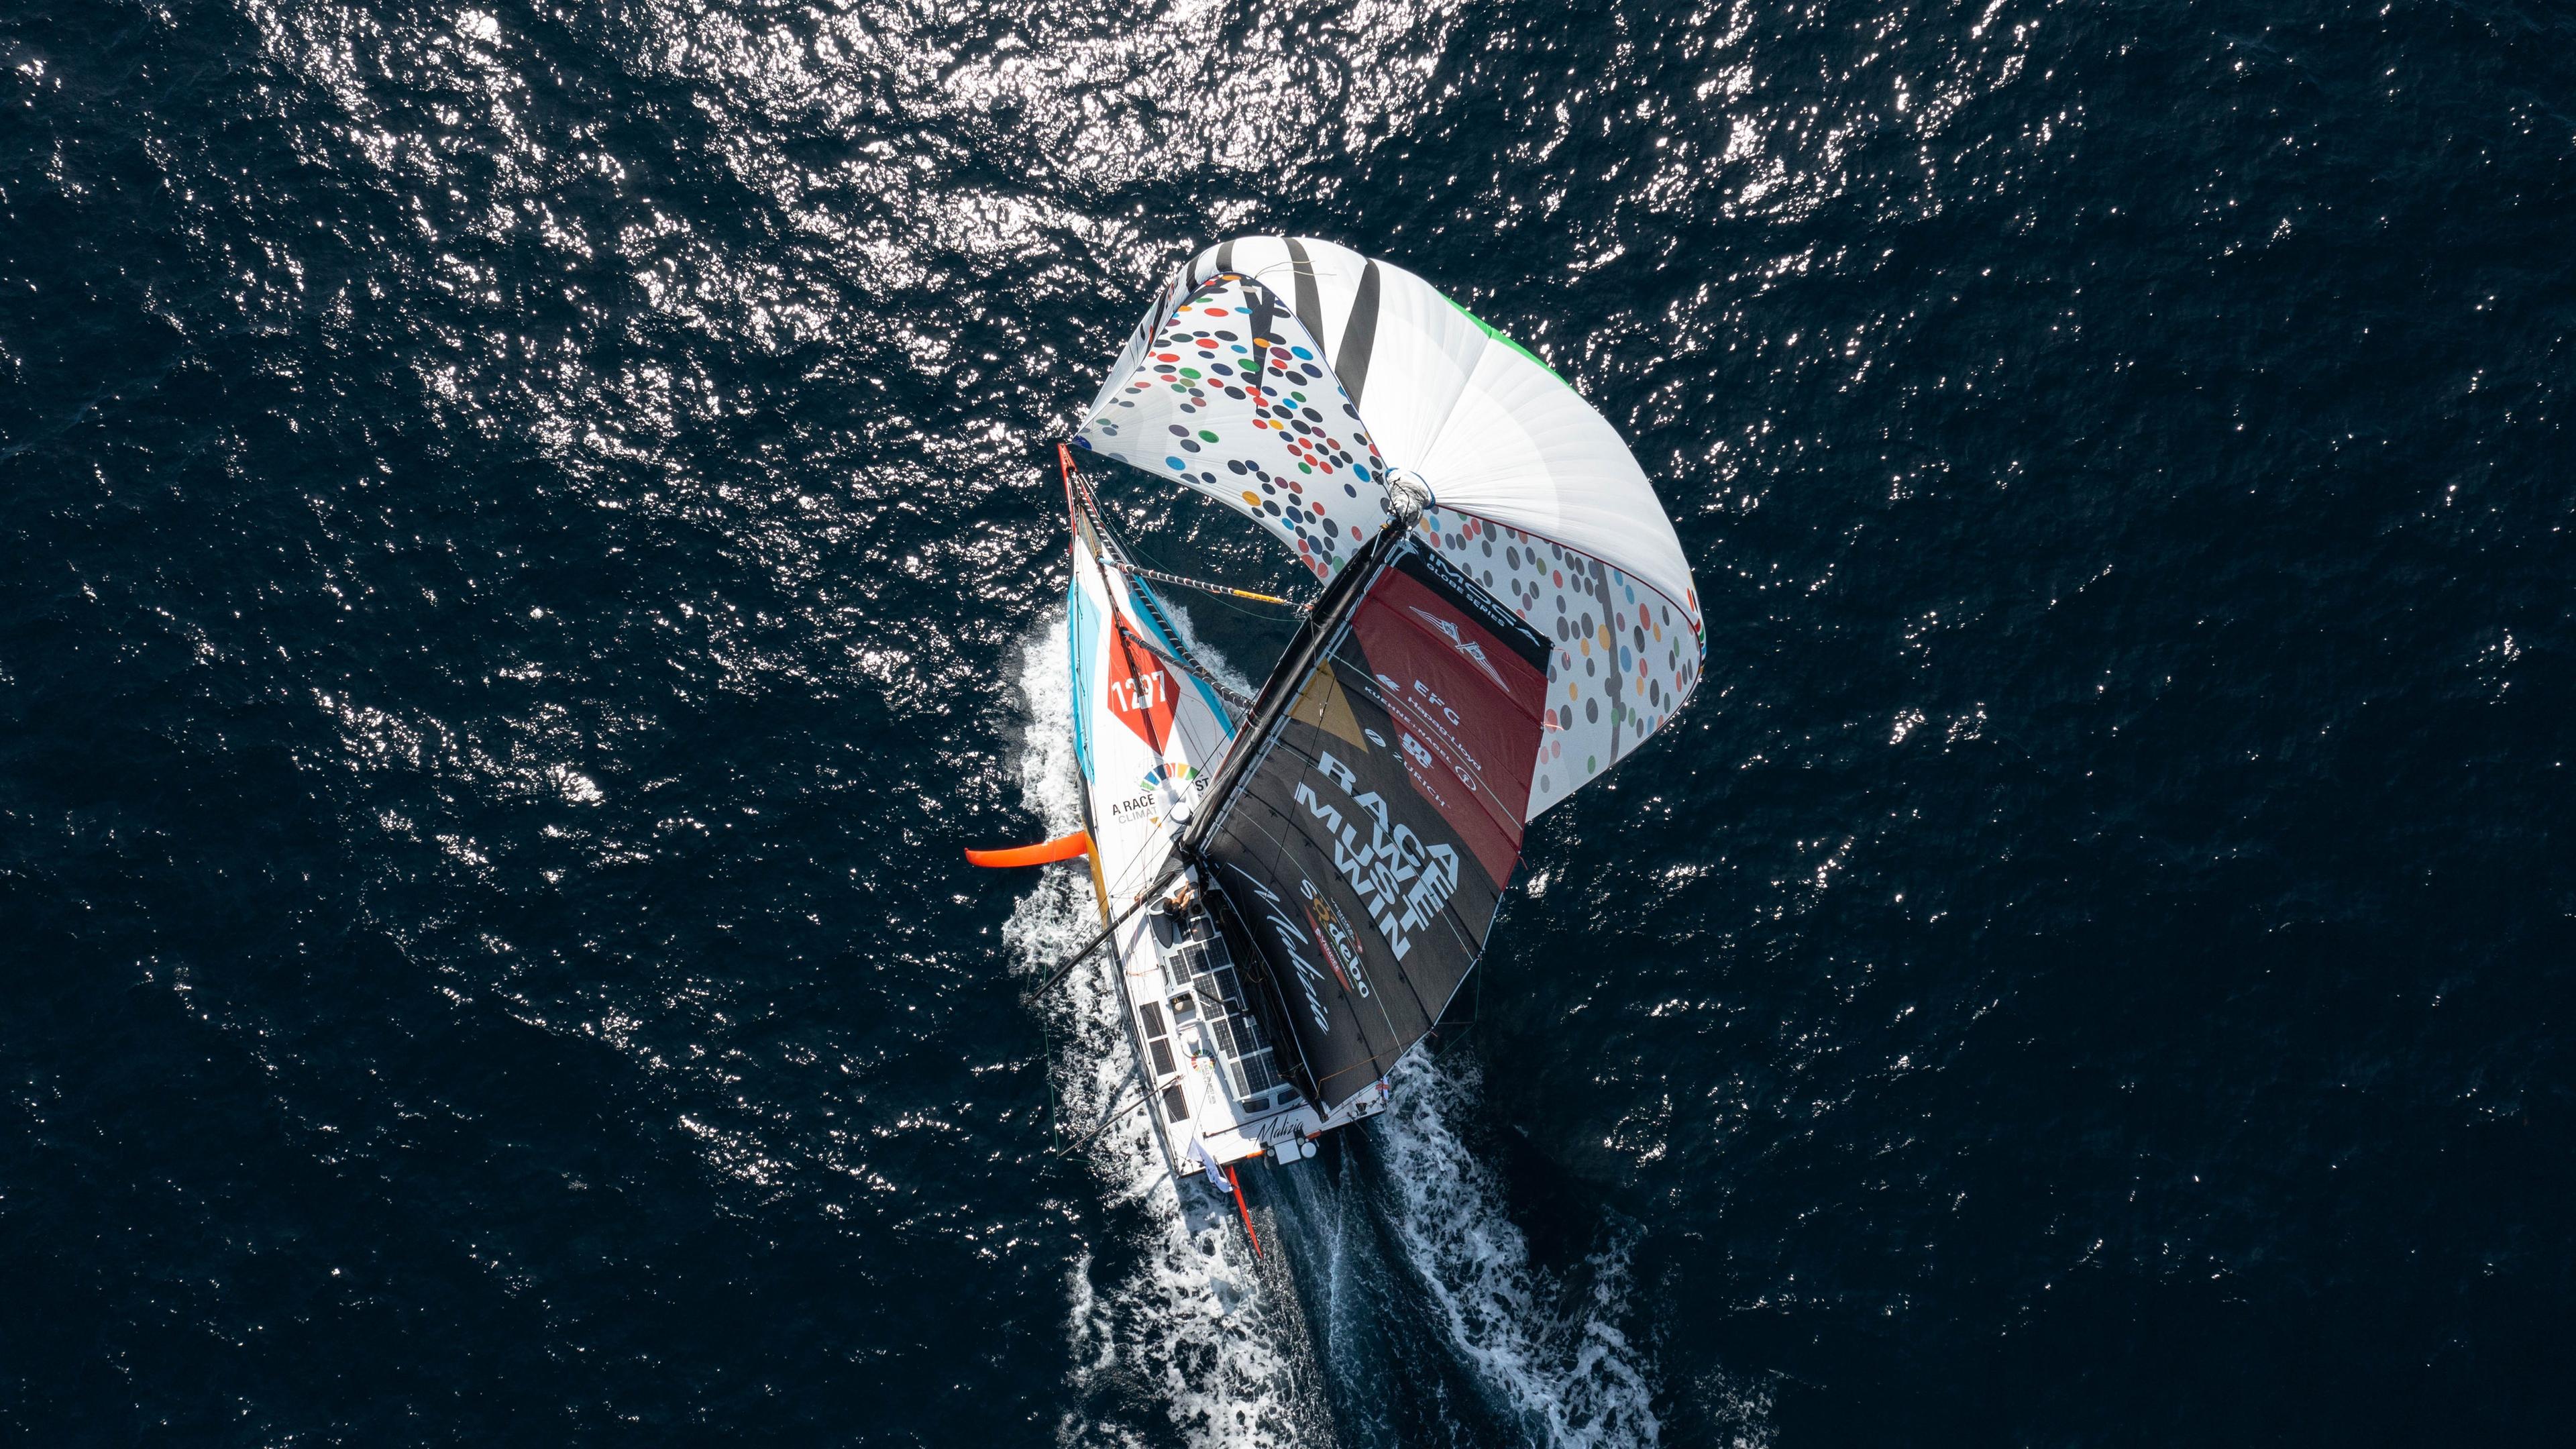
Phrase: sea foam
(1170, 1316)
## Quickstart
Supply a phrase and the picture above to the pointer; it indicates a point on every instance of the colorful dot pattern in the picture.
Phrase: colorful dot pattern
(1626, 656)
(1284, 447)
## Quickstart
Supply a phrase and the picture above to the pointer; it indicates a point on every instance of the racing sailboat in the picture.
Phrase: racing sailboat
(1294, 885)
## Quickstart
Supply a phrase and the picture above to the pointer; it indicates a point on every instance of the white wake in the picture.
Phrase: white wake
(1171, 1316)
(1183, 1326)
(1564, 1370)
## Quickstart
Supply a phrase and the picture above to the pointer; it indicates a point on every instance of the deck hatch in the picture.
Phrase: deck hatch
(1199, 965)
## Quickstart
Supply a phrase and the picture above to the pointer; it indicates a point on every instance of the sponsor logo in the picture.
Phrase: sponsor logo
(1498, 621)
(1468, 649)
(1285, 932)
(1402, 883)
(1138, 690)
(1332, 937)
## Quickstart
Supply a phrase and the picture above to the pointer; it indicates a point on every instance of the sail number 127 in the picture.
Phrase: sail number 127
(1140, 692)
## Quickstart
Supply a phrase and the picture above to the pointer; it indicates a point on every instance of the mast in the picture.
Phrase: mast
(1279, 692)
(1278, 696)
(1367, 822)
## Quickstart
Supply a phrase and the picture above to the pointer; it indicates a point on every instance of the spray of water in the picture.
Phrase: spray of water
(1176, 1327)
(1171, 1320)
(1560, 1366)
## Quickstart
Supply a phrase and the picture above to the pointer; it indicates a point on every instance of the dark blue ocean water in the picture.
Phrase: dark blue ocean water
(527, 544)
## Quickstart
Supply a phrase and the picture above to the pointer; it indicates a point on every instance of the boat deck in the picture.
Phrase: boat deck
(1212, 1071)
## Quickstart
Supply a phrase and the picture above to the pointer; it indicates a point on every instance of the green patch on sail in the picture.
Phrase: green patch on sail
(1505, 338)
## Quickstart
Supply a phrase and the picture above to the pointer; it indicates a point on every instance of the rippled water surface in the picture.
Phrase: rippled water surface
(527, 544)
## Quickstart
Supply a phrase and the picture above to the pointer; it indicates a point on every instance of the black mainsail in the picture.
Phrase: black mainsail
(1366, 828)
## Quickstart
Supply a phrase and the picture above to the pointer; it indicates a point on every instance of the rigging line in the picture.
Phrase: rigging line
(1221, 590)
(1081, 492)
(1189, 663)
(1181, 725)
(1182, 659)
(1126, 564)
(1152, 892)
(1126, 639)
(1231, 607)
(1107, 1120)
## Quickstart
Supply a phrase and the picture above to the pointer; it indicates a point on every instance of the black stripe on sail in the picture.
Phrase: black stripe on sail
(1359, 336)
(1310, 301)
(1263, 306)
(1224, 258)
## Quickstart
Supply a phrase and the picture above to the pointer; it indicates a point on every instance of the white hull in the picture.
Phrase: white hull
(1217, 1089)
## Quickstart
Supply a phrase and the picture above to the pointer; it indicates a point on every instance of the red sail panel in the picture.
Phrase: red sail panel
(1467, 704)
(1140, 689)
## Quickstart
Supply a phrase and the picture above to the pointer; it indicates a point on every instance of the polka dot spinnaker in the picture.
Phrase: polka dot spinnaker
(1290, 378)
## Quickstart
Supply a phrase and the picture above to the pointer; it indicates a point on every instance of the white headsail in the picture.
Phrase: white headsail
(1288, 378)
